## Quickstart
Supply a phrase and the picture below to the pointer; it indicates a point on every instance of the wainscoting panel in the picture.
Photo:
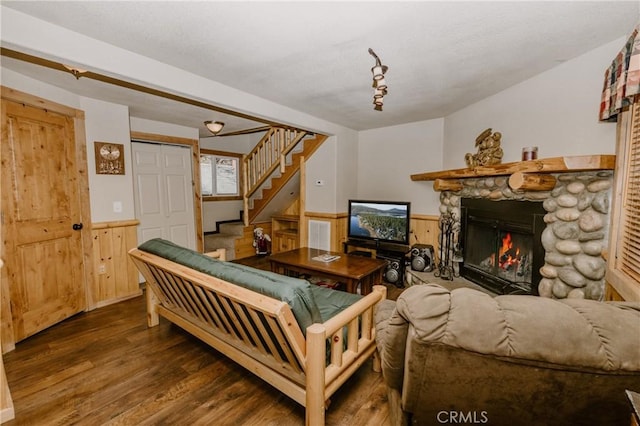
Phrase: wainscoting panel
(116, 278)
(337, 223)
(424, 229)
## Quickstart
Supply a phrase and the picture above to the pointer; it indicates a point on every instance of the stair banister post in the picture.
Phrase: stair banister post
(245, 191)
(283, 157)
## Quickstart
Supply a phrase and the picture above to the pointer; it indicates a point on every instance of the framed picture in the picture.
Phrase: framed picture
(109, 158)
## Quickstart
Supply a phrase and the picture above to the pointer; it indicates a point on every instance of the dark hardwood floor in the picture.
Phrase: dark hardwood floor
(107, 367)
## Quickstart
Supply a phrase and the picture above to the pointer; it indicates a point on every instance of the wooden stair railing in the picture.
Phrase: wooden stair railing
(278, 182)
(265, 158)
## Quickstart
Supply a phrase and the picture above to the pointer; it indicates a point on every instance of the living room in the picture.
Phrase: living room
(555, 110)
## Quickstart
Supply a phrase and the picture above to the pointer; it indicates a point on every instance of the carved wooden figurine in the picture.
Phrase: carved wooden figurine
(489, 150)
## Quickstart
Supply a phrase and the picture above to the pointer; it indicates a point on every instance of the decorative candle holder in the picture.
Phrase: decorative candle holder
(529, 153)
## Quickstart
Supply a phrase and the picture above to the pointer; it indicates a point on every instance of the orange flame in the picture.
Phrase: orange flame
(507, 257)
(506, 244)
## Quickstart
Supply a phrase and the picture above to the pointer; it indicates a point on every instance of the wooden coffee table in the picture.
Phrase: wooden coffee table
(350, 270)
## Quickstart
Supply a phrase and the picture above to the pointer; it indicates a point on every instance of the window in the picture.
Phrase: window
(221, 175)
(623, 270)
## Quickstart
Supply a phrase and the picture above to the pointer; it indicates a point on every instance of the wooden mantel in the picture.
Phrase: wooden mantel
(545, 165)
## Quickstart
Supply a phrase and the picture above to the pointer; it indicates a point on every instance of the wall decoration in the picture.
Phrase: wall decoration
(109, 158)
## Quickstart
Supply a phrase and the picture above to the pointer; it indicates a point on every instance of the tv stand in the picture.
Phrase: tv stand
(383, 249)
(394, 254)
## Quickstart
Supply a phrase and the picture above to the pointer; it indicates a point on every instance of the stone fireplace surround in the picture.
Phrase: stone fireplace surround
(577, 218)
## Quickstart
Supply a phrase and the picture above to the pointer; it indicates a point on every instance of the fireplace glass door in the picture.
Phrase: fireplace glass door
(499, 246)
(480, 256)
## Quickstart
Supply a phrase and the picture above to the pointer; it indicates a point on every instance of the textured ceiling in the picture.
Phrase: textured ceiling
(312, 56)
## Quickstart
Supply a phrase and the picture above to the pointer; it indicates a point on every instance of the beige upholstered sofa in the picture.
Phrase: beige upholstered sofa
(464, 357)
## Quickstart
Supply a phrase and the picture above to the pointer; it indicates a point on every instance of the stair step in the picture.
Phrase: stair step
(231, 228)
(217, 241)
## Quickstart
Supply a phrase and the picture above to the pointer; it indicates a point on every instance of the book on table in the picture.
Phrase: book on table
(326, 257)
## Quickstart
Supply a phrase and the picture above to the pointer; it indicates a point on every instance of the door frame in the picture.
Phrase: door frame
(6, 327)
(194, 144)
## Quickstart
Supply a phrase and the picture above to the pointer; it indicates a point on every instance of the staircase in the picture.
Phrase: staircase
(271, 165)
(266, 171)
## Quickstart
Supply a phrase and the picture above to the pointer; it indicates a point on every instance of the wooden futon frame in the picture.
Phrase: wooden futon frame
(261, 333)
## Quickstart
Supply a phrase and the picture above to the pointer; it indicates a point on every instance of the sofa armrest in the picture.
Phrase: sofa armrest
(220, 254)
(350, 333)
(325, 373)
(391, 340)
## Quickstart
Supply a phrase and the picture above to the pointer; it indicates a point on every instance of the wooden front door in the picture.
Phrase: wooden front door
(43, 252)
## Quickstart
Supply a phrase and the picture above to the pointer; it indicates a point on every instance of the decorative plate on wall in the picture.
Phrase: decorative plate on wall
(109, 158)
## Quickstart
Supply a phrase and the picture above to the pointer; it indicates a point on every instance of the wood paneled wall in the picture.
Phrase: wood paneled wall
(116, 277)
(424, 228)
(611, 294)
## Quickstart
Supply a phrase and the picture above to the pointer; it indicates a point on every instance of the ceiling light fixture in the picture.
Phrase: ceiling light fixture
(378, 93)
(77, 72)
(214, 126)
(379, 83)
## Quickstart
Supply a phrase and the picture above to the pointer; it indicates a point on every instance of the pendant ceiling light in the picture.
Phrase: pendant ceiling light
(379, 83)
(214, 126)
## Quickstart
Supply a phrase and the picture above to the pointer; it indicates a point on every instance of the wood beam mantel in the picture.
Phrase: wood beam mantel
(447, 185)
(546, 165)
(532, 181)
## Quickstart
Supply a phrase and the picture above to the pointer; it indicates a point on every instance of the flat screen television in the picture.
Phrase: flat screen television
(380, 221)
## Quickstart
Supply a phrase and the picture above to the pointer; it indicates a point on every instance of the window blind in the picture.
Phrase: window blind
(629, 256)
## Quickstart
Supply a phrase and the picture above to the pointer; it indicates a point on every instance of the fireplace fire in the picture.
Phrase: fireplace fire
(514, 261)
(501, 244)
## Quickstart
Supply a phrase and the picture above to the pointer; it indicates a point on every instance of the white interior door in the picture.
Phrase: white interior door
(163, 191)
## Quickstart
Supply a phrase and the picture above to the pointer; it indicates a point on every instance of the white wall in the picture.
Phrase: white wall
(241, 144)
(22, 83)
(219, 211)
(159, 128)
(557, 111)
(347, 169)
(107, 122)
(322, 166)
(388, 156)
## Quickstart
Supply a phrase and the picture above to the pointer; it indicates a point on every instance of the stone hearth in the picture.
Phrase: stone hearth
(576, 232)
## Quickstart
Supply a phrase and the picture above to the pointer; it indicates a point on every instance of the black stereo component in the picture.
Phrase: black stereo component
(422, 258)
(394, 271)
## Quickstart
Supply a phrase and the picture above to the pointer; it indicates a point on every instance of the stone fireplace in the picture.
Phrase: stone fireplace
(576, 231)
(574, 193)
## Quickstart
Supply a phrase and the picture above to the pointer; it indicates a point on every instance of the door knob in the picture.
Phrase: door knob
(77, 226)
